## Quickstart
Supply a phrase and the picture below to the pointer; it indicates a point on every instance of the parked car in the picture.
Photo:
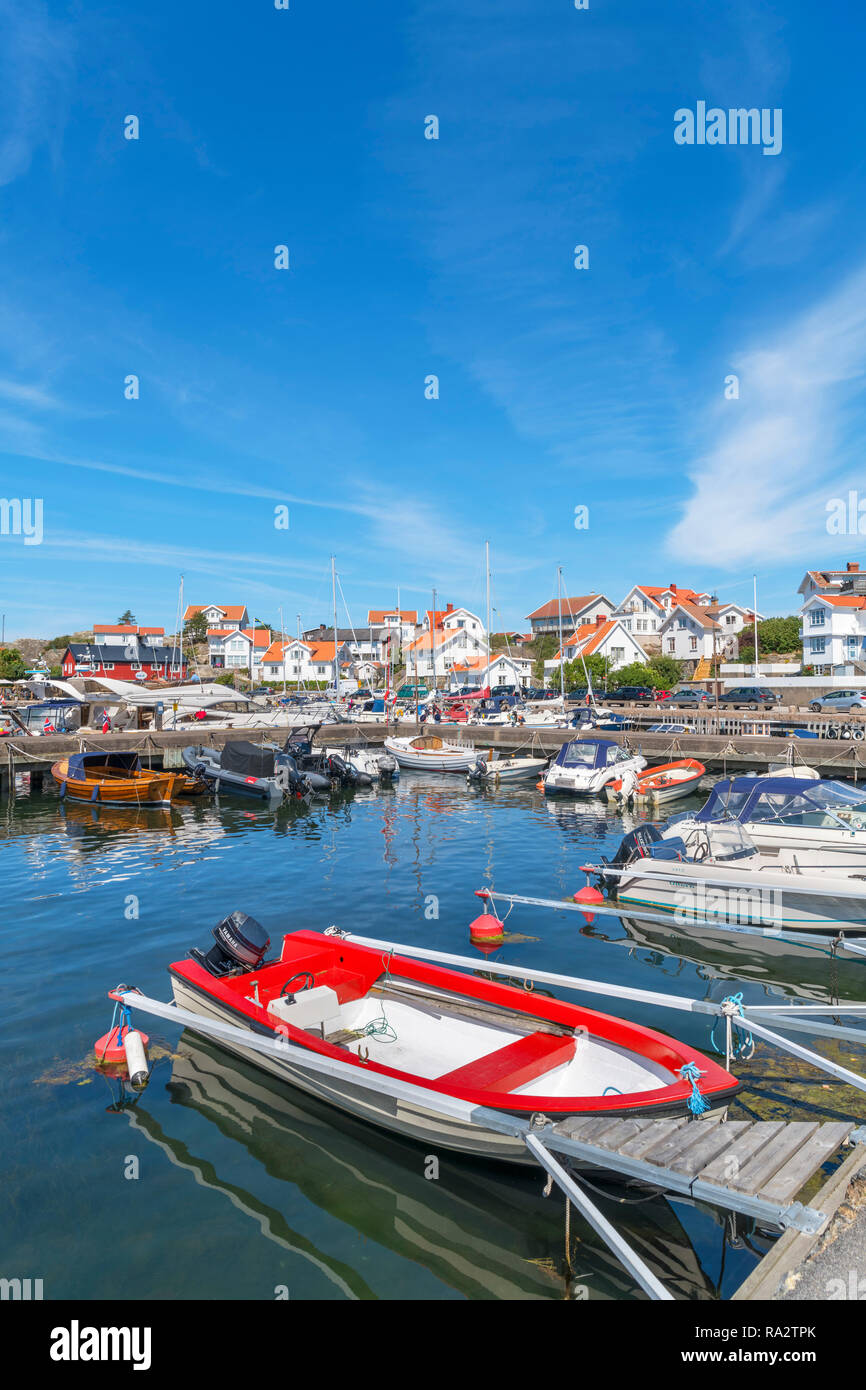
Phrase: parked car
(752, 696)
(503, 690)
(693, 696)
(632, 694)
(846, 700)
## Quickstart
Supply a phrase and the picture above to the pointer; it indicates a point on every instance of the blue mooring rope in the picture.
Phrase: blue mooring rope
(696, 1103)
(743, 1045)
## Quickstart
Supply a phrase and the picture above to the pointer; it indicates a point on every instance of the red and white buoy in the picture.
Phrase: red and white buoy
(123, 1045)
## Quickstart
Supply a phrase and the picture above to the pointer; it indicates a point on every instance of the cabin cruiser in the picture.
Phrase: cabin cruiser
(783, 813)
(719, 874)
(491, 771)
(584, 766)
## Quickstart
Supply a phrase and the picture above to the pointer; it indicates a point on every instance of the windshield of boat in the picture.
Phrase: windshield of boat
(728, 840)
(724, 803)
(826, 804)
(578, 754)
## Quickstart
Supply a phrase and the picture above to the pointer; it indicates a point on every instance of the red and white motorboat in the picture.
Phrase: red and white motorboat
(452, 1035)
(666, 782)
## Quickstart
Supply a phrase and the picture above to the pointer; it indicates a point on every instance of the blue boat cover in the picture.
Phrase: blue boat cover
(588, 752)
(84, 765)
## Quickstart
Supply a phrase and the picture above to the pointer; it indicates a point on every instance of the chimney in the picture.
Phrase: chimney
(673, 588)
(449, 607)
(600, 620)
(852, 566)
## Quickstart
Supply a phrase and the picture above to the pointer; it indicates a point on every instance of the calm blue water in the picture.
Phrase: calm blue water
(244, 1186)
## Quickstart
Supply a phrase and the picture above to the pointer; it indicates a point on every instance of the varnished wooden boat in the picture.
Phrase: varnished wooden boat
(113, 779)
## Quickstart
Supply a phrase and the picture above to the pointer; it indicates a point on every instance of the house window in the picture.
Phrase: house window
(693, 644)
(731, 618)
(816, 617)
(108, 665)
(819, 644)
(681, 622)
(671, 644)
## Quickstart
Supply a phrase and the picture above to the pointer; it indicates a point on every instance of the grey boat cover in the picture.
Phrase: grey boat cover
(247, 759)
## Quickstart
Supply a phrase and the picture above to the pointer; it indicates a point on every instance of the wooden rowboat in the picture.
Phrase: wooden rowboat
(113, 779)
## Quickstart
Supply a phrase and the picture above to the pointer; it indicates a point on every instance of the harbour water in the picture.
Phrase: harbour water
(218, 1183)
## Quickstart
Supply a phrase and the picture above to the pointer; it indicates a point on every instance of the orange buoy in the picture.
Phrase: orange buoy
(109, 1049)
(539, 786)
(588, 894)
(486, 930)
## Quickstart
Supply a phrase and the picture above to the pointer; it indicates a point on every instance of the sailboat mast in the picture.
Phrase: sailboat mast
(487, 568)
(561, 651)
(334, 596)
(433, 641)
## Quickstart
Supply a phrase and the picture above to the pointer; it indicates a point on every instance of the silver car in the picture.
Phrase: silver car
(839, 699)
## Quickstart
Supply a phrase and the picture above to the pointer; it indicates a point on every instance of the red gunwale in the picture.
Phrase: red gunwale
(309, 950)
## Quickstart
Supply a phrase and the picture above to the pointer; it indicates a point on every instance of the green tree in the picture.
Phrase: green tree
(127, 617)
(196, 628)
(11, 664)
(636, 673)
(774, 635)
(666, 671)
(596, 668)
(545, 647)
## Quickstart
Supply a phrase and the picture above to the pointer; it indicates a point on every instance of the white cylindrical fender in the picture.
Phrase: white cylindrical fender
(136, 1060)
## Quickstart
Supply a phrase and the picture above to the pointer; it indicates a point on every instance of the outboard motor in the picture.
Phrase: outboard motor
(241, 943)
(637, 844)
(477, 773)
(341, 772)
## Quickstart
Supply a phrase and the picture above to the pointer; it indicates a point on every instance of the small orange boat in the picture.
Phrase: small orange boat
(114, 779)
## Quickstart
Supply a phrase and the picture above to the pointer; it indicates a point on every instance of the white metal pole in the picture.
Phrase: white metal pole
(487, 568)
(755, 616)
(561, 651)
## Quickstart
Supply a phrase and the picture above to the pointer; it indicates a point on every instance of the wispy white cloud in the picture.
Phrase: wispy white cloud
(780, 451)
(36, 65)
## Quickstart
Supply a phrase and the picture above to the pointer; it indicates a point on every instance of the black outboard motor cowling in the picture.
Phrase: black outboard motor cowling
(635, 845)
(241, 943)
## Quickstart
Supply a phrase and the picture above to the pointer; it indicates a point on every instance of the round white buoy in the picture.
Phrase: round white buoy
(136, 1061)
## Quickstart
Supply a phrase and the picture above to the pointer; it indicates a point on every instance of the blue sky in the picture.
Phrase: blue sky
(410, 257)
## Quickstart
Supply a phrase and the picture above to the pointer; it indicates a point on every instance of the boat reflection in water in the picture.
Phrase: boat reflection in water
(796, 970)
(483, 1231)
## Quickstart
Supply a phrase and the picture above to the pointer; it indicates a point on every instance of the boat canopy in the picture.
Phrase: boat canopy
(587, 752)
(247, 759)
(792, 799)
(84, 765)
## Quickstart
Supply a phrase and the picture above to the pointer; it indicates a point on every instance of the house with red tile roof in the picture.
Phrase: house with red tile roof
(237, 649)
(233, 615)
(647, 606)
(570, 611)
(606, 637)
(695, 631)
(834, 632)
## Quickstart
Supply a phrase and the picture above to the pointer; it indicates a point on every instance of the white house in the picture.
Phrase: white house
(605, 637)
(568, 612)
(298, 661)
(503, 670)
(237, 649)
(235, 615)
(693, 633)
(122, 634)
(833, 631)
(452, 619)
(850, 579)
(440, 650)
(388, 622)
(646, 607)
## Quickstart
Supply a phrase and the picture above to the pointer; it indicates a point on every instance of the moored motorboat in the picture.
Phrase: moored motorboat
(370, 764)
(513, 767)
(247, 769)
(431, 753)
(720, 875)
(665, 782)
(584, 766)
(783, 812)
(449, 1034)
(113, 779)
